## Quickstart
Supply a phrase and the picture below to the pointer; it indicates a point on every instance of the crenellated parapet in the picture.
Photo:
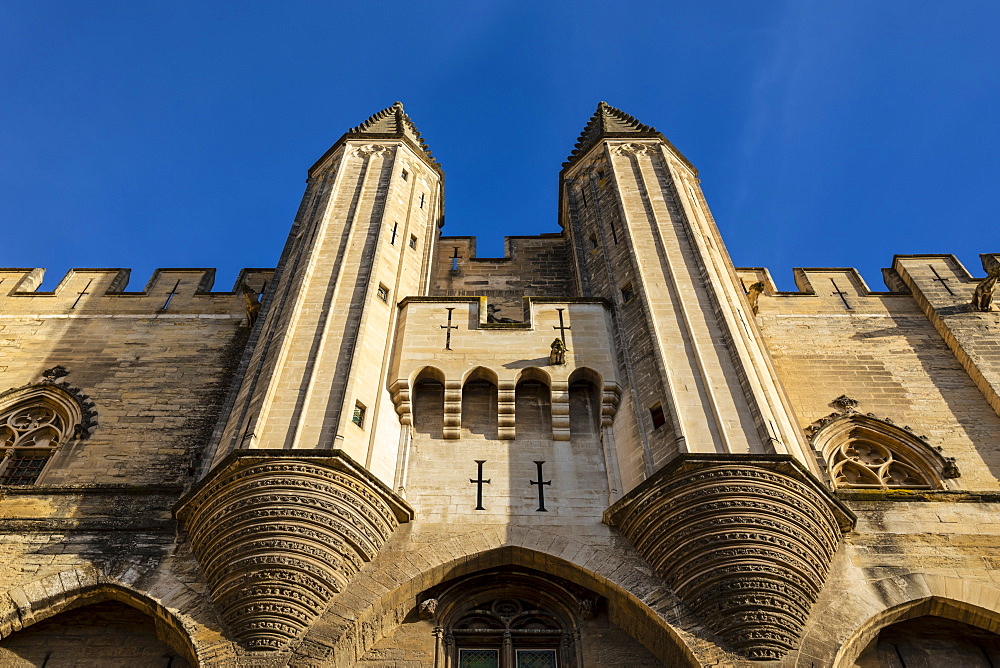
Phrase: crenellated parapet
(278, 533)
(746, 541)
(101, 291)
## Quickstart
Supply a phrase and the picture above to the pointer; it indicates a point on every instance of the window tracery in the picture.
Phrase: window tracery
(35, 422)
(507, 619)
(862, 451)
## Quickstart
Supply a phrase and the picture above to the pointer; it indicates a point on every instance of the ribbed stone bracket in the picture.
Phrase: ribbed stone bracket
(745, 540)
(278, 532)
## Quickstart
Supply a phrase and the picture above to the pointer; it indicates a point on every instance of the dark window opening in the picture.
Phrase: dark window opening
(656, 414)
(628, 294)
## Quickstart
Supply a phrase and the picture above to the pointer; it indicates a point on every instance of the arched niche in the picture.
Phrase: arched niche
(533, 404)
(104, 624)
(108, 633)
(585, 395)
(479, 403)
(36, 422)
(932, 631)
(864, 452)
(428, 402)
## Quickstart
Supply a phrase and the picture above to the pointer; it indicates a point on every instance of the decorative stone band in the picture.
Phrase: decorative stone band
(278, 532)
(745, 540)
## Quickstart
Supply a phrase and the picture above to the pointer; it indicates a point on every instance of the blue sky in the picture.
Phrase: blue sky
(140, 134)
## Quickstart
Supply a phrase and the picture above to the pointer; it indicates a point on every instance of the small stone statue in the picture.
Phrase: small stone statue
(983, 296)
(252, 303)
(753, 294)
(428, 608)
(557, 354)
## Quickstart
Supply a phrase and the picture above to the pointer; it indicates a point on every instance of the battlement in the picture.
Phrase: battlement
(531, 266)
(941, 279)
(100, 291)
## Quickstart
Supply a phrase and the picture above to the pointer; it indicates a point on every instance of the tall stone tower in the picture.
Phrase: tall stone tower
(720, 477)
(312, 388)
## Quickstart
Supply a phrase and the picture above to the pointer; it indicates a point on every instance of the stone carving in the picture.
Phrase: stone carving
(746, 544)
(428, 608)
(632, 148)
(845, 404)
(55, 373)
(370, 150)
(252, 300)
(753, 295)
(279, 533)
(557, 353)
(983, 296)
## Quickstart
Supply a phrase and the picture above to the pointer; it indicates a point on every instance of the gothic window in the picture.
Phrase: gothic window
(864, 452)
(508, 618)
(31, 431)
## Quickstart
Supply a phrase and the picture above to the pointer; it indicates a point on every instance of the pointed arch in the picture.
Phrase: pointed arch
(585, 402)
(865, 452)
(428, 401)
(35, 422)
(479, 402)
(654, 616)
(954, 607)
(80, 587)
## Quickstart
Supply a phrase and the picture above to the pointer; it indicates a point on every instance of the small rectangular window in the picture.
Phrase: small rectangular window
(383, 293)
(656, 415)
(593, 242)
(359, 414)
(628, 294)
(413, 242)
(405, 174)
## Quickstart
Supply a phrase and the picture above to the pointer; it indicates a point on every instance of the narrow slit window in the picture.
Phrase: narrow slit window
(359, 414)
(421, 200)
(413, 242)
(614, 232)
(593, 242)
(583, 194)
(405, 174)
(383, 293)
(628, 294)
(395, 228)
(657, 416)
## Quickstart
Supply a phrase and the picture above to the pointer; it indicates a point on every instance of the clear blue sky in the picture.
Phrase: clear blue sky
(143, 134)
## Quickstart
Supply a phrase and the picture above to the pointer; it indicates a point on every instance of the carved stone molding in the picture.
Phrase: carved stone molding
(633, 148)
(745, 540)
(279, 532)
(369, 150)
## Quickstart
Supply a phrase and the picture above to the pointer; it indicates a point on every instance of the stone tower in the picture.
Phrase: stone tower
(608, 447)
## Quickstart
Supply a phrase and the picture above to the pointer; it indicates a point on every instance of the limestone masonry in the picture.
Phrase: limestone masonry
(608, 448)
